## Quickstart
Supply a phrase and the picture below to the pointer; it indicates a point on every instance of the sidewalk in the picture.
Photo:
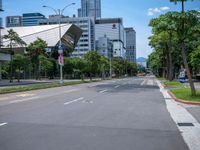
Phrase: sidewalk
(6, 83)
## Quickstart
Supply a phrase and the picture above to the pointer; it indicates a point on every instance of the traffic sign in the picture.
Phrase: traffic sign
(60, 49)
(61, 59)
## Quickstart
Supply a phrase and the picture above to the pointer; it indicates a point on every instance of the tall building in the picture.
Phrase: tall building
(104, 47)
(79, 12)
(32, 19)
(87, 40)
(113, 28)
(91, 8)
(130, 44)
(13, 21)
(1, 23)
(1, 9)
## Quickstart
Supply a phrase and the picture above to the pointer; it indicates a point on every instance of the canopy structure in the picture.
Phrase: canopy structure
(70, 35)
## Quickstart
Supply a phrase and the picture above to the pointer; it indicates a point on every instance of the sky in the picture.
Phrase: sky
(135, 13)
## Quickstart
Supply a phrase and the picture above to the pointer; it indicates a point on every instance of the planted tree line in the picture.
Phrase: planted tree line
(176, 43)
(36, 63)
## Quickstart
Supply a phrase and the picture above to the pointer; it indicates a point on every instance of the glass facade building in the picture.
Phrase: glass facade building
(91, 8)
(32, 19)
(1, 9)
(13, 21)
(130, 44)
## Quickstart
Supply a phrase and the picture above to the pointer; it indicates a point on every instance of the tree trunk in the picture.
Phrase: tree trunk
(18, 77)
(193, 90)
(11, 69)
(167, 62)
(170, 58)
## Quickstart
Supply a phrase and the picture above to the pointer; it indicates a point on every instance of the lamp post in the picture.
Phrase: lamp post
(59, 13)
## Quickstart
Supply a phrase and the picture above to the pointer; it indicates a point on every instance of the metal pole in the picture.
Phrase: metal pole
(110, 64)
(60, 45)
(60, 50)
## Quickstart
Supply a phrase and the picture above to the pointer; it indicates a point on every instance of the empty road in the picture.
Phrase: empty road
(124, 114)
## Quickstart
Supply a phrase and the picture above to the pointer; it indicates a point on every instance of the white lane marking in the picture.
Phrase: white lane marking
(25, 95)
(150, 82)
(143, 82)
(76, 100)
(72, 90)
(24, 100)
(103, 91)
(3, 124)
(116, 86)
(179, 114)
(92, 86)
(4, 98)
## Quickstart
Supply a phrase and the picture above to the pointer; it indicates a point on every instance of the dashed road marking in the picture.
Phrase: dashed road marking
(3, 124)
(116, 86)
(76, 100)
(4, 98)
(23, 100)
(143, 82)
(103, 91)
(72, 90)
(25, 95)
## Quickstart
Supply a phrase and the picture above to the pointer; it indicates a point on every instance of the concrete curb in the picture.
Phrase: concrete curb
(181, 100)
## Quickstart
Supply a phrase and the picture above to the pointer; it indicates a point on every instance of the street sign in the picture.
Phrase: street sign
(61, 60)
(60, 49)
(182, 75)
(48, 50)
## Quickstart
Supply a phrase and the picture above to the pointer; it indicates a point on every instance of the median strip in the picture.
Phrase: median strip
(76, 100)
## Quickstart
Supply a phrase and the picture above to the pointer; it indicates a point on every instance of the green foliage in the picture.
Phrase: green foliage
(20, 63)
(14, 38)
(172, 83)
(34, 50)
(93, 63)
(167, 38)
(195, 59)
(185, 94)
(46, 66)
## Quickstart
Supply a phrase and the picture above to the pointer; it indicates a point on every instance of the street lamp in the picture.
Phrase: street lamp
(59, 12)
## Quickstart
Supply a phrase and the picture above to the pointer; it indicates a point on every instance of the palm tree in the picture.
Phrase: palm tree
(183, 48)
(14, 38)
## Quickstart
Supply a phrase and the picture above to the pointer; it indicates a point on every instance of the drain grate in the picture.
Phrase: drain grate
(185, 124)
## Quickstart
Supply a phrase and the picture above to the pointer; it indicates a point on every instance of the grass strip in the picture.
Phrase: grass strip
(185, 94)
(172, 83)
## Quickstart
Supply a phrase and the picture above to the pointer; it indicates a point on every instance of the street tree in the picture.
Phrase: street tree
(183, 48)
(93, 63)
(14, 39)
(19, 64)
(34, 50)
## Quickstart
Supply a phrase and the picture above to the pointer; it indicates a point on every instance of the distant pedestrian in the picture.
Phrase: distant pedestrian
(182, 75)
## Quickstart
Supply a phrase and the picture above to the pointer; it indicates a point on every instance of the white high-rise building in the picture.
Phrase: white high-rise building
(113, 28)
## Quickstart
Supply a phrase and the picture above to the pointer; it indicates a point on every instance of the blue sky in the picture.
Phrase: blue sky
(135, 13)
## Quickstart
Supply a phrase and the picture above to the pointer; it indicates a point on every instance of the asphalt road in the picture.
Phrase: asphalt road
(127, 114)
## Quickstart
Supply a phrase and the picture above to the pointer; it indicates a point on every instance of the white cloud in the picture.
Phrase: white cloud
(153, 11)
(164, 8)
